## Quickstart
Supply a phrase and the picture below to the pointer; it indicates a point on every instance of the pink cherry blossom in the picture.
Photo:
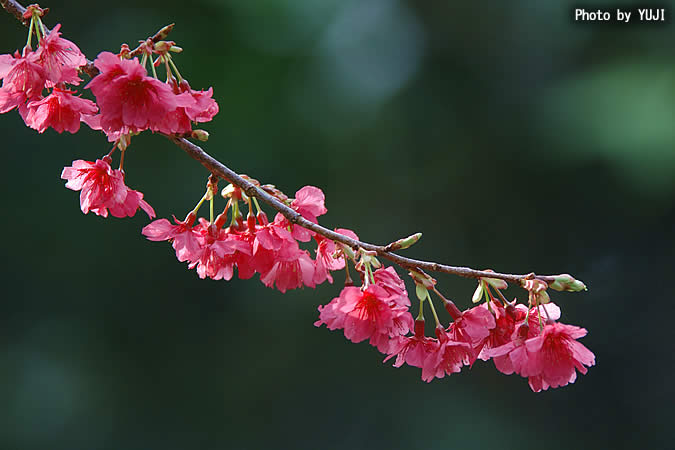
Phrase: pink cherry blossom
(177, 120)
(271, 243)
(449, 358)
(60, 110)
(23, 79)
(547, 358)
(309, 202)
(292, 272)
(127, 97)
(131, 203)
(413, 350)
(184, 238)
(215, 245)
(388, 279)
(505, 324)
(234, 251)
(325, 262)
(60, 58)
(555, 354)
(366, 313)
(472, 327)
(102, 188)
(204, 107)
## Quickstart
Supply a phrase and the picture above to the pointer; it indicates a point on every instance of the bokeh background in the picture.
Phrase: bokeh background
(510, 136)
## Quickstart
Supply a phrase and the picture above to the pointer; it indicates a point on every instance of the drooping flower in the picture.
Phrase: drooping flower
(131, 203)
(505, 324)
(60, 58)
(202, 108)
(309, 201)
(127, 97)
(215, 245)
(388, 279)
(60, 110)
(23, 80)
(554, 355)
(547, 357)
(184, 238)
(449, 358)
(413, 350)
(290, 272)
(102, 189)
(366, 313)
(325, 261)
(271, 243)
(472, 327)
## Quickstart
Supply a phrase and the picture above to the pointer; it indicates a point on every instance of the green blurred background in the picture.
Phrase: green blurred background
(512, 137)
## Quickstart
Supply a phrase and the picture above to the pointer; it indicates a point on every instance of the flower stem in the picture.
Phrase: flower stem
(235, 213)
(501, 296)
(30, 31)
(201, 202)
(257, 205)
(175, 69)
(420, 315)
(122, 152)
(433, 310)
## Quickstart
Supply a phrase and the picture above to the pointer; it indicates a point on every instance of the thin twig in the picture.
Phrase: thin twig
(221, 170)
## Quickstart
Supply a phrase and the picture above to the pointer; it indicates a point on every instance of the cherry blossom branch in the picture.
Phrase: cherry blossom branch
(220, 170)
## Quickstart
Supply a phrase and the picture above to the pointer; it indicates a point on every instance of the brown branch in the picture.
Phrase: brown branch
(219, 169)
(14, 9)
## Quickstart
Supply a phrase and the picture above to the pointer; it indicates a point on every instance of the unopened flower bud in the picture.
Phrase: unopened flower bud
(478, 293)
(497, 283)
(421, 292)
(164, 32)
(543, 298)
(227, 191)
(175, 49)
(567, 282)
(423, 279)
(404, 243)
(200, 135)
(163, 46)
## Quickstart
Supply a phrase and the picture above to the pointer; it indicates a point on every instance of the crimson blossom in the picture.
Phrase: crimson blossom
(371, 312)
(102, 189)
(548, 358)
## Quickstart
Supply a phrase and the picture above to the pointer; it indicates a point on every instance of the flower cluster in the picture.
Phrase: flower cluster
(527, 342)
(54, 65)
(128, 101)
(254, 245)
